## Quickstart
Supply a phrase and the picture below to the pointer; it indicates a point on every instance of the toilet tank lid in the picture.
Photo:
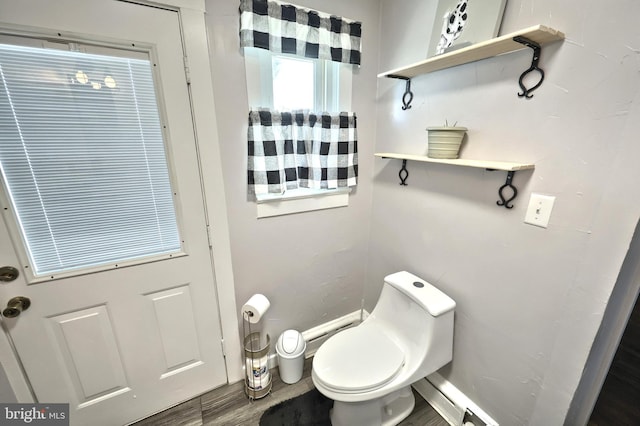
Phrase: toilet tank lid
(423, 293)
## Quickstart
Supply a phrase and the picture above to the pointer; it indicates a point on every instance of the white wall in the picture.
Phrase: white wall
(310, 265)
(530, 300)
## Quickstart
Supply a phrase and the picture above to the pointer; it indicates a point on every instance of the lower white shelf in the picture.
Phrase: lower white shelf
(481, 164)
(510, 167)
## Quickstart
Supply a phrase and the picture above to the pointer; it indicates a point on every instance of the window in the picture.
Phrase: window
(82, 158)
(293, 149)
(318, 85)
(294, 83)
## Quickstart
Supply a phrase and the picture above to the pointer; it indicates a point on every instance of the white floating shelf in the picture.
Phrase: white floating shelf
(483, 50)
(509, 167)
(481, 164)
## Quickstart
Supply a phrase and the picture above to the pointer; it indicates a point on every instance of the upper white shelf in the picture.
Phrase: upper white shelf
(486, 49)
(481, 164)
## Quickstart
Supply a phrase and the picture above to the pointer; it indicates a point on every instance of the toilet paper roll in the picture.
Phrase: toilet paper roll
(258, 375)
(255, 308)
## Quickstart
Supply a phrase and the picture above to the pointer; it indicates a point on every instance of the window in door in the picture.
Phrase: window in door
(82, 159)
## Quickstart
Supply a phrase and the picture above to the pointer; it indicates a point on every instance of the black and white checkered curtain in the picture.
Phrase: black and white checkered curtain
(284, 28)
(299, 149)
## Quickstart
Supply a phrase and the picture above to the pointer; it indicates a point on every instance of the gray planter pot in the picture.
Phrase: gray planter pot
(444, 142)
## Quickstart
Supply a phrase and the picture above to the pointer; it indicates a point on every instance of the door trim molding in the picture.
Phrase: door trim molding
(206, 132)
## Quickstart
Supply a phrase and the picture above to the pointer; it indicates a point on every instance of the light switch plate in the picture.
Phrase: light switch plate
(539, 210)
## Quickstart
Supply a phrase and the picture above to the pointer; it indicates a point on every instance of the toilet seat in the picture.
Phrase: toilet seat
(358, 359)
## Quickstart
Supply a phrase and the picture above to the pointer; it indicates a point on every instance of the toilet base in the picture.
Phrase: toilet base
(386, 411)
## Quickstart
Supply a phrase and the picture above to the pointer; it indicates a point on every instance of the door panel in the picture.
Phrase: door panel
(122, 343)
(177, 328)
(87, 342)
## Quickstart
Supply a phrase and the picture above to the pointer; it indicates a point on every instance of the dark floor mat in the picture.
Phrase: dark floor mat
(309, 409)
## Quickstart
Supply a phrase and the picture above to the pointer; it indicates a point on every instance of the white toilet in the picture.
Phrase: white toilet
(368, 370)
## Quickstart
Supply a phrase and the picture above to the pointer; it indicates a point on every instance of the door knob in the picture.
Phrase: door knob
(15, 306)
(8, 273)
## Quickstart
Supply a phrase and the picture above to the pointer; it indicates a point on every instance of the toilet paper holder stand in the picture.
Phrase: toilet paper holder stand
(256, 353)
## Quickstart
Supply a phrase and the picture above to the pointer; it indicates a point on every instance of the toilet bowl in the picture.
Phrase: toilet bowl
(368, 370)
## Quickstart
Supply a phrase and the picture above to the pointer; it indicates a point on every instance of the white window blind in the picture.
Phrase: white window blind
(82, 158)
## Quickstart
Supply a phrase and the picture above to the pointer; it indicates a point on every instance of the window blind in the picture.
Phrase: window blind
(82, 158)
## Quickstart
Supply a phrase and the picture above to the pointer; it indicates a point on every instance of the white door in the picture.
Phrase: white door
(117, 340)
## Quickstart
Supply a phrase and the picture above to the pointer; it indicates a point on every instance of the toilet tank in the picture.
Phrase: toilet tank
(424, 294)
(418, 317)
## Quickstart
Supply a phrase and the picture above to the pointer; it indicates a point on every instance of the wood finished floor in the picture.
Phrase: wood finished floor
(228, 406)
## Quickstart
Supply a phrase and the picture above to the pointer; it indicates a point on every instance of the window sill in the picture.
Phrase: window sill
(301, 200)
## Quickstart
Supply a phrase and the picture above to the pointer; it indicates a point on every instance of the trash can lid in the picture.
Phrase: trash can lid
(290, 343)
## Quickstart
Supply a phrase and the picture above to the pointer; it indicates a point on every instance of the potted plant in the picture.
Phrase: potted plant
(445, 141)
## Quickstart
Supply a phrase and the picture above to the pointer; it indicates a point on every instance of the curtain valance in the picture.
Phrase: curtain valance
(285, 28)
(300, 149)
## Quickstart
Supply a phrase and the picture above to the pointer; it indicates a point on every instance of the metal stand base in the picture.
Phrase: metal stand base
(256, 394)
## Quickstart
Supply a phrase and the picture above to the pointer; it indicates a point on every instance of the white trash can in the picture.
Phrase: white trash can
(290, 349)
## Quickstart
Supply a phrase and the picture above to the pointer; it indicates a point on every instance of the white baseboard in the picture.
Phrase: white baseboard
(317, 335)
(447, 409)
(453, 405)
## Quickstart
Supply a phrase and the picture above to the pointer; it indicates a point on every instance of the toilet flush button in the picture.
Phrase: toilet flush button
(418, 284)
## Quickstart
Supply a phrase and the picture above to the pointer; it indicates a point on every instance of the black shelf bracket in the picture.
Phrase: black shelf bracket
(403, 174)
(506, 202)
(526, 92)
(407, 98)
